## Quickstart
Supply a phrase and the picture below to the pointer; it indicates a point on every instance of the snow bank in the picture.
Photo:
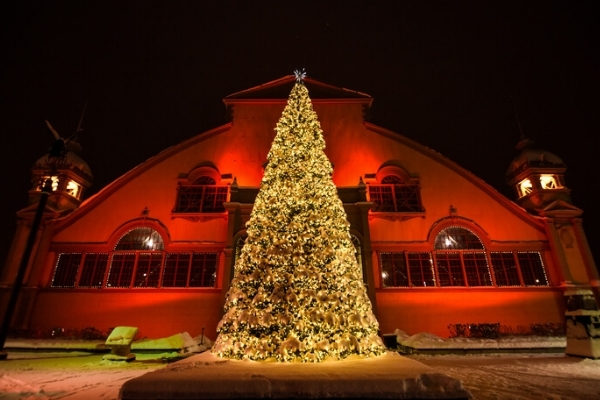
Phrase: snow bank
(428, 341)
(180, 342)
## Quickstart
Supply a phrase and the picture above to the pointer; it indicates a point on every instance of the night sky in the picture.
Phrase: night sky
(459, 77)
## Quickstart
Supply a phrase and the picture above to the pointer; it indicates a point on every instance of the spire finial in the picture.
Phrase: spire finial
(300, 74)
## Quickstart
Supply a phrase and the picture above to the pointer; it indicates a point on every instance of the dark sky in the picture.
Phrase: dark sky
(447, 74)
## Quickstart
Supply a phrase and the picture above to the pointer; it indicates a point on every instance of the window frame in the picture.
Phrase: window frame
(390, 197)
(133, 264)
(470, 265)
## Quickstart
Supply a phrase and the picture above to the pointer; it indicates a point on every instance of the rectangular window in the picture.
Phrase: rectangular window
(421, 269)
(121, 270)
(201, 198)
(395, 198)
(393, 270)
(93, 270)
(148, 269)
(203, 270)
(408, 198)
(213, 199)
(505, 269)
(532, 269)
(177, 266)
(449, 269)
(383, 197)
(136, 269)
(65, 272)
(476, 269)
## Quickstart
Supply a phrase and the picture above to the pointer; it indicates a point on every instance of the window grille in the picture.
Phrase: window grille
(405, 269)
(456, 237)
(148, 269)
(136, 269)
(190, 270)
(121, 271)
(93, 270)
(176, 270)
(65, 272)
(450, 272)
(393, 270)
(421, 269)
(142, 238)
(460, 259)
(201, 198)
(395, 198)
(476, 269)
(532, 269)
(203, 270)
(505, 269)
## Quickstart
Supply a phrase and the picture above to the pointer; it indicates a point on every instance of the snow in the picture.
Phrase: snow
(69, 376)
(426, 341)
(37, 374)
(180, 341)
(522, 376)
(207, 376)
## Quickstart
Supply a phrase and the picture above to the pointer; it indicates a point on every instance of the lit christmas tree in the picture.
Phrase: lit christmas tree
(297, 292)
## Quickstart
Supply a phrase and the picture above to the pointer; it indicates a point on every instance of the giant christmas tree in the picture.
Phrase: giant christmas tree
(297, 292)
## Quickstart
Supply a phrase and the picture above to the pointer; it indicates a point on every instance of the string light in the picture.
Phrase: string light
(297, 292)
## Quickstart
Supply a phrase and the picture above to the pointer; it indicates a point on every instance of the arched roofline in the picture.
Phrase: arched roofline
(520, 212)
(89, 204)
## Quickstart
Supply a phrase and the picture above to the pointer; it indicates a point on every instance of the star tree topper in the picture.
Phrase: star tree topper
(300, 74)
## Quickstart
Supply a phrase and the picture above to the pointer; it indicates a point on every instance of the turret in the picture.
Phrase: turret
(537, 177)
(69, 173)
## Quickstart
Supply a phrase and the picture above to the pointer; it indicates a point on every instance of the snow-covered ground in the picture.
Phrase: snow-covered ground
(73, 375)
(522, 376)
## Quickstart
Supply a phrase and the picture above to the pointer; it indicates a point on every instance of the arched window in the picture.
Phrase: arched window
(202, 196)
(396, 191)
(138, 255)
(457, 238)
(141, 239)
(392, 179)
(460, 258)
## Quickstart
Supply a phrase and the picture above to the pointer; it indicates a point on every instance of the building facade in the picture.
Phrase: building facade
(438, 246)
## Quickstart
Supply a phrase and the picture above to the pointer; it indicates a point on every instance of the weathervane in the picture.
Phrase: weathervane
(300, 74)
(59, 147)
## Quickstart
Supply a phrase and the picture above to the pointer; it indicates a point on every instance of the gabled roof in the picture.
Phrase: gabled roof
(279, 90)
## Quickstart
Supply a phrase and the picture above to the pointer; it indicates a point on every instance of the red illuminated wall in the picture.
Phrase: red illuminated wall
(240, 148)
(156, 313)
(432, 310)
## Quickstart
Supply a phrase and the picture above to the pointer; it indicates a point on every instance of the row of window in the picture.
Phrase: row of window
(135, 269)
(458, 259)
(462, 268)
(210, 198)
